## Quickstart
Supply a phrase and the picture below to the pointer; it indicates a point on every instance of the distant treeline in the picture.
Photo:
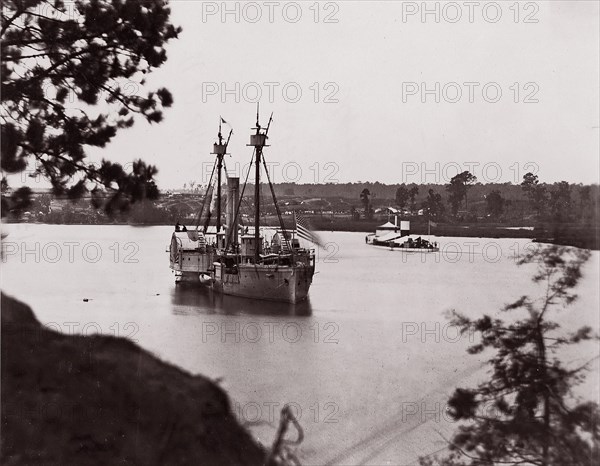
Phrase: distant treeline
(464, 199)
(562, 211)
(388, 191)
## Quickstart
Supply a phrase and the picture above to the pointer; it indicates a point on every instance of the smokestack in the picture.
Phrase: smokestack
(233, 193)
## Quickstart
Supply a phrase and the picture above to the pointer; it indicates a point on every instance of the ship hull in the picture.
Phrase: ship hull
(285, 284)
(192, 278)
(412, 250)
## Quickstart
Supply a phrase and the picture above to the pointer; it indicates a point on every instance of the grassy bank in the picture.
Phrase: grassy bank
(567, 234)
(98, 400)
(580, 235)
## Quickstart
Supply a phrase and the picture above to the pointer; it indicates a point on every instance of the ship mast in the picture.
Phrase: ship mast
(258, 140)
(220, 149)
(219, 168)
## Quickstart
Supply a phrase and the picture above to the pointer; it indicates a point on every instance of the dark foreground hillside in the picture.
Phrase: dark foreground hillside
(97, 400)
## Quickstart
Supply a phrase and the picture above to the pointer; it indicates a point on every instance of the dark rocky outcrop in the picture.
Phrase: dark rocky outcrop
(98, 400)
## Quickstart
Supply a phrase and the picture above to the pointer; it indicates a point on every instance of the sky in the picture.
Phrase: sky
(388, 93)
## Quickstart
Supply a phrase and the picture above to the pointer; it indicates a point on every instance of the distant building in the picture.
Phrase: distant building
(56, 205)
(388, 211)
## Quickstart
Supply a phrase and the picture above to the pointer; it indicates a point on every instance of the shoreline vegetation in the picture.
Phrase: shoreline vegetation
(585, 236)
(100, 399)
(560, 213)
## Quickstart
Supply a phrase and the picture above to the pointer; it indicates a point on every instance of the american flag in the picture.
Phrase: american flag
(213, 199)
(304, 231)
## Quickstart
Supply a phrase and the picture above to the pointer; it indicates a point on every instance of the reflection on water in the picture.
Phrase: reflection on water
(188, 299)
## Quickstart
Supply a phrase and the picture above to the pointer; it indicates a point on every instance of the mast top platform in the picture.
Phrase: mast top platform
(258, 140)
(219, 149)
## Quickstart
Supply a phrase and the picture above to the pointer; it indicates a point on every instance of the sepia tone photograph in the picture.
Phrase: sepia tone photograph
(309, 233)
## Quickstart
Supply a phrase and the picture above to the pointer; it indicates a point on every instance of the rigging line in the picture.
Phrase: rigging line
(237, 210)
(432, 454)
(278, 210)
(210, 201)
(247, 208)
(208, 215)
(199, 216)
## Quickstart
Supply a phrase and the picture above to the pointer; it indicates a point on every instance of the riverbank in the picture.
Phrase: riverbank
(99, 400)
(586, 236)
(567, 234)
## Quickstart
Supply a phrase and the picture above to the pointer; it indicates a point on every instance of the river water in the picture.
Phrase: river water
(366, 364)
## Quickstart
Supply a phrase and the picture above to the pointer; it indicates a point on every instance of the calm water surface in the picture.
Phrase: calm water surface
(367, 362)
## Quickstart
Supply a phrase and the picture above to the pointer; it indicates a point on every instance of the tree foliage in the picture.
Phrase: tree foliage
(433, 206)
(536, 192)
(412, 194)
(73, 75)
(560, 201)
(526, 412)
(402, 196)
(519, 207)
(365, 197)
(457, 189)
(495, 203)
